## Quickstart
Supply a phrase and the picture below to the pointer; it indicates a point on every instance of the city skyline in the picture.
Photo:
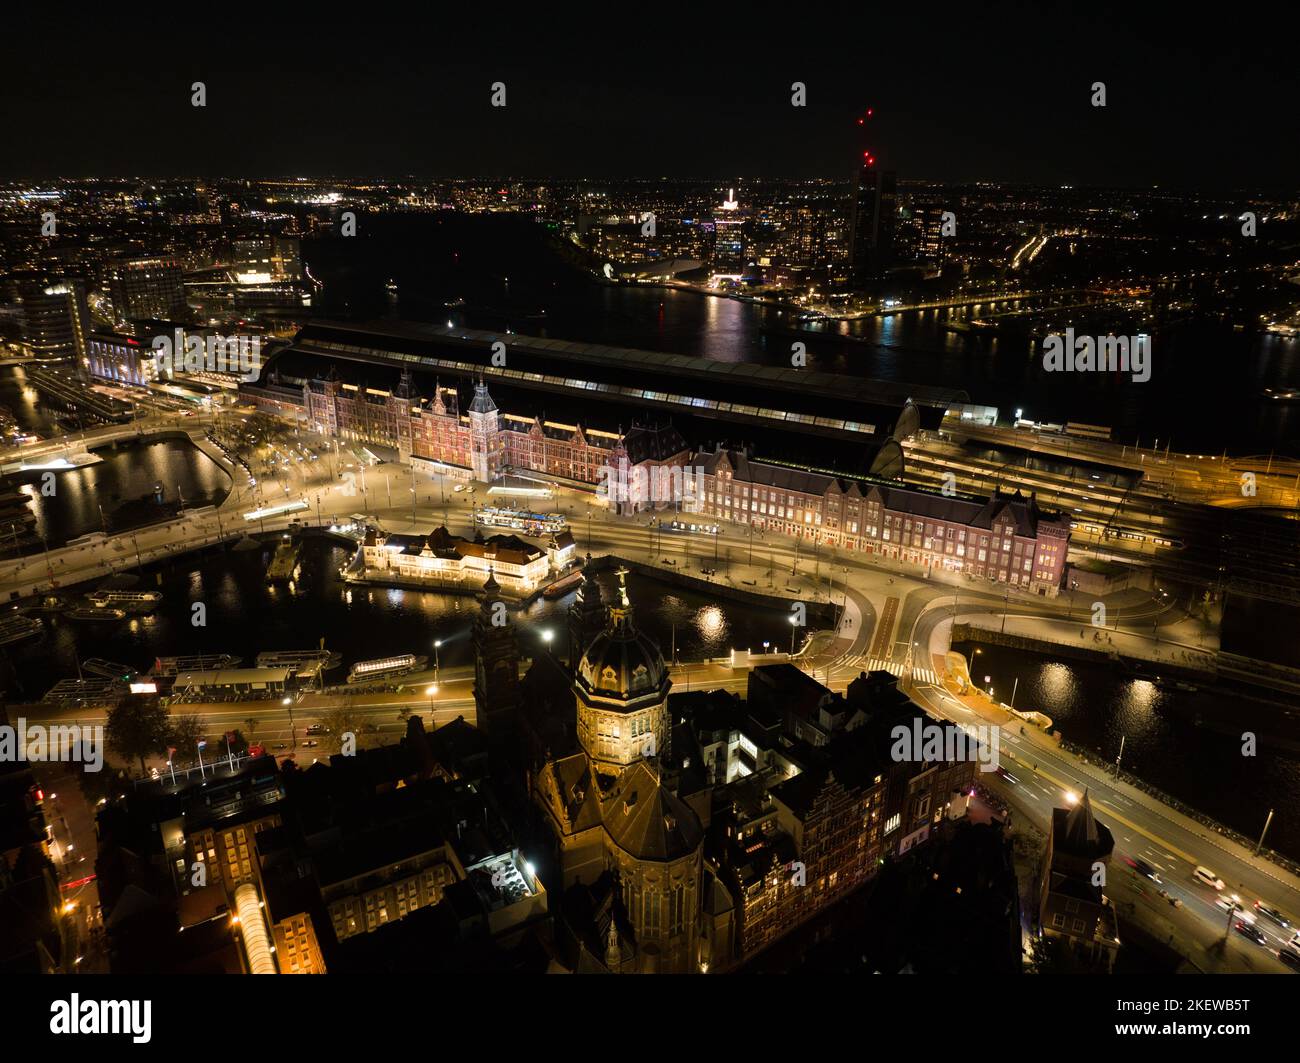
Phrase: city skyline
(684, 493)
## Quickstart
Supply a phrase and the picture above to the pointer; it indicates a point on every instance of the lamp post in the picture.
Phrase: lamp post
(293, 739)
(793, 629)
(1232, 911)
(1260, 844)
(431, 691)
(437, 645)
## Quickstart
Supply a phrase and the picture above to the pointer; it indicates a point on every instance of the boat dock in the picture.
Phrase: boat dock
(130, 601)
(15, 627)
(305, 664)
(284, 562)
(84, 693)
(108, 669)
(562, 586)
(203, 662)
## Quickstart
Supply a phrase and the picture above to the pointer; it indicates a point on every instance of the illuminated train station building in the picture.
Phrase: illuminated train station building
(795, 451)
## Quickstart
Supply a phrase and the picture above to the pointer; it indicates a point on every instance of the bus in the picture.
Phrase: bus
(1088, 431)
(276, 511)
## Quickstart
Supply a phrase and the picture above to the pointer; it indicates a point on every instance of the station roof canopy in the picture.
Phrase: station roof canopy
(597, 367)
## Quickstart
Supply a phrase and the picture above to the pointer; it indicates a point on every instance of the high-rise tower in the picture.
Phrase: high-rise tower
(872, 226)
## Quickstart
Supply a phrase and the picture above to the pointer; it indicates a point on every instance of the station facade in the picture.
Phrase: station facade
(1005, 539)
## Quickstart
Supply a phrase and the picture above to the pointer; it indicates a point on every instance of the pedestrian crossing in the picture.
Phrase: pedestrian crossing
(866, 663)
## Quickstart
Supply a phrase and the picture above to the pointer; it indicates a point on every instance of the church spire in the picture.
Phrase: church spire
(1080, 824)
(620, 613)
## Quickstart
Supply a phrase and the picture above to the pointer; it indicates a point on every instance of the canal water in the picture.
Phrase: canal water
(507, 275)
(1188, 744)
(246, 615)
(133, 485)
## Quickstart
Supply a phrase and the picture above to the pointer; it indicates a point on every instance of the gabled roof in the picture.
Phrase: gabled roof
(657, 442)
(648, 822)
(1020, 512)
(570, 788)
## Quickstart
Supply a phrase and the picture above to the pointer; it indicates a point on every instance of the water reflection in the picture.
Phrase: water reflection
(245, 615)
(118, 491)
(1186, 742)
(711, 623)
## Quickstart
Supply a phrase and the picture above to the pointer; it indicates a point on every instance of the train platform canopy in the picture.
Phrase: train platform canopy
(408, 344)
(707, 401)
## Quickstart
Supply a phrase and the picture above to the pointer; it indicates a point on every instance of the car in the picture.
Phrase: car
(1227, 904)
(1273, 914)
(281, 745)
(311, 743)
(1247, 931)
(458, 488)
(1206, 877)
(1289, 956)
(1143, 868)
(316, 729)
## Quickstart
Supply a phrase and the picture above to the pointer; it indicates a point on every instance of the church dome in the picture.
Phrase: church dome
(622, 667)
(621, 661)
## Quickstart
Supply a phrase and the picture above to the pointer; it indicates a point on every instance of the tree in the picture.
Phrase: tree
(341, 721)
(184, 734)
(138, 726)
(105, 785)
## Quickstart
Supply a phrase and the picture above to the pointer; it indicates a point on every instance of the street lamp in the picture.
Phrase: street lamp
(1232, 911)
(437, 644)
(431, 691)
(293, 739)
(794, 627)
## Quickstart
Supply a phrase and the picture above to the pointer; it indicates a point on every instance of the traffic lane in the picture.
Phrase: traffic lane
(1039, 794)
(1185, 843)
(1247, 877)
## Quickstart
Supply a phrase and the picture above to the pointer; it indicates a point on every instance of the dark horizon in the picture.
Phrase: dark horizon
(1004, 97)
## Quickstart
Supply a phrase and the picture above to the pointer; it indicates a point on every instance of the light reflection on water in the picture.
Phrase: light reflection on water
(245, 615)
(84, 499)
(1187, 743)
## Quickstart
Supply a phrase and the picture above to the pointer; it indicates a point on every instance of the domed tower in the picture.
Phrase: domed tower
(622, 688)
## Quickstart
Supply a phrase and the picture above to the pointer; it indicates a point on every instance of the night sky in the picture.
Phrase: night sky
(999, 92)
